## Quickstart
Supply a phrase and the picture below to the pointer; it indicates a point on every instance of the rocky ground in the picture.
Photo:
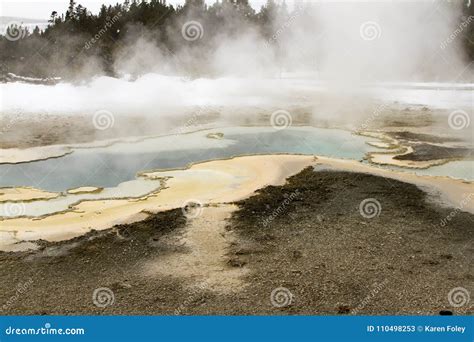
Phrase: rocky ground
(306, 240)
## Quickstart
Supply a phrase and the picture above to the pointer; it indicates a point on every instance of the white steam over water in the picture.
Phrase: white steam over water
(156, 94)
(149, 94)
(339, 47)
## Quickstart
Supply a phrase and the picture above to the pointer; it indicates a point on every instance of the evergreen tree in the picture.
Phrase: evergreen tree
(70, 15)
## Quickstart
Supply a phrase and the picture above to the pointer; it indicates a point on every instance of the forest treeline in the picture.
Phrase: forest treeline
(73, 39)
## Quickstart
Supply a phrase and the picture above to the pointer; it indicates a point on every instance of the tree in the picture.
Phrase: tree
(52, 18)
(68, 33)
(70, 15)
(36, 31)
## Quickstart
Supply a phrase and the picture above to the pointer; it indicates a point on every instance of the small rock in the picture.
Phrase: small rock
(446, 256)
(121, 285)
(297, 254)
(446, 313)
(343, 309)
(234, 262)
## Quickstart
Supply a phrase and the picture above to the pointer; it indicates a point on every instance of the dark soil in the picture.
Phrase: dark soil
(426, 152)
(316, 244)
(429, 138)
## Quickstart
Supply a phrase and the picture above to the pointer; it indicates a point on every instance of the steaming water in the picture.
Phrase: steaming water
(152, 91)
(110, 166)
(115, 167)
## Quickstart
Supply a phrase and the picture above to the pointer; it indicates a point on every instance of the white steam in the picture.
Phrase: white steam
(340, 44)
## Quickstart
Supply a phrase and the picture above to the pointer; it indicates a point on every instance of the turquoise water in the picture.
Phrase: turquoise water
(110, 166)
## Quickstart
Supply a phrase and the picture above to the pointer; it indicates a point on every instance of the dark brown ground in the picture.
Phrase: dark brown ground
(429, 138)
(319, 247)
(426, 152)
(424, 148)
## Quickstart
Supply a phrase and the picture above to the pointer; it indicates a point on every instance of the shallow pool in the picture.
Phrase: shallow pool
(109, 166)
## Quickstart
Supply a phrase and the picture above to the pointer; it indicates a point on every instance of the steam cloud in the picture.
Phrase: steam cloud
(340, 44)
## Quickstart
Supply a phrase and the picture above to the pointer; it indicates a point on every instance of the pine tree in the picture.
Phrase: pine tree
(70, 15)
